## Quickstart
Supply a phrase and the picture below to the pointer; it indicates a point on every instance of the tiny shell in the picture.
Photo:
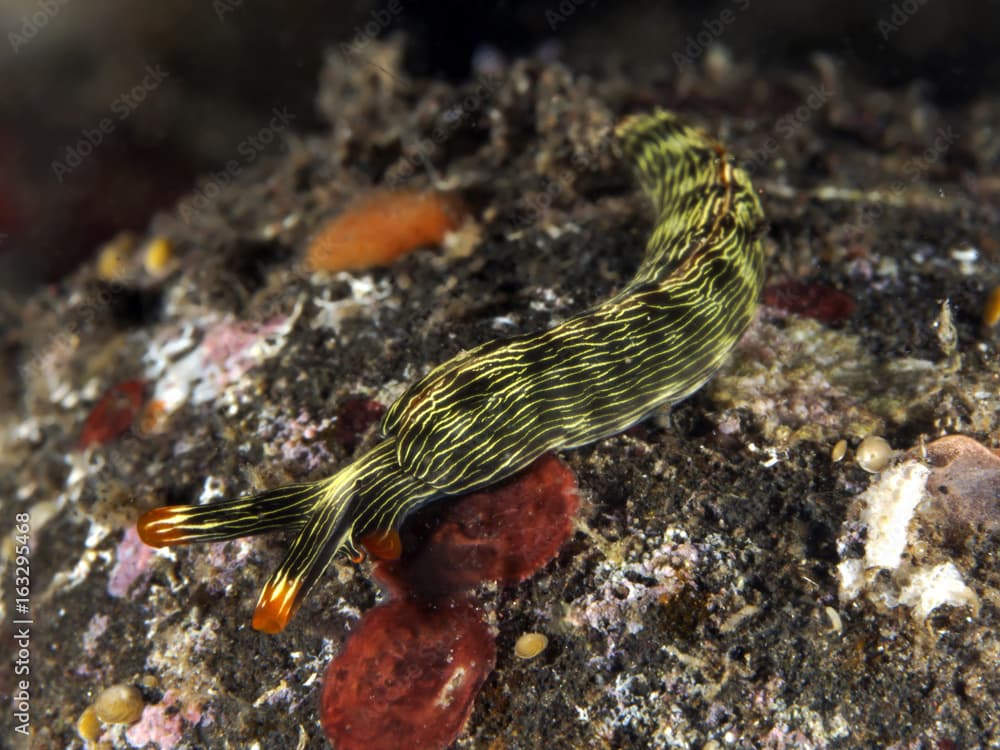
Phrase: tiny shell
(530, 645)
(873, 454)
(836, 623)
(88, 726)
(839, 451)
(119, 704)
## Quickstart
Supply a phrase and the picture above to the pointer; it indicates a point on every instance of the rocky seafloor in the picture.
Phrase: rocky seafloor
(707, 598)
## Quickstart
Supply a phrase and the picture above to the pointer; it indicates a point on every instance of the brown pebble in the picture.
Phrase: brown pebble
(964, 483)
(119, 704)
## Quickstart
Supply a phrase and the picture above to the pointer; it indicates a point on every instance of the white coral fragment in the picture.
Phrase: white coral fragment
(888, 510)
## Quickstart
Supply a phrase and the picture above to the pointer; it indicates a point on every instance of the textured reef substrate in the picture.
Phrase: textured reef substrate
(699, 602)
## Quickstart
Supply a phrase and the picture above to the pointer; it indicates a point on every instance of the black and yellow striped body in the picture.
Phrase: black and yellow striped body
(491, 411)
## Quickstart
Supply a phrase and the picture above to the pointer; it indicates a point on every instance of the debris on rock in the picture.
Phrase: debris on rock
(911, 515)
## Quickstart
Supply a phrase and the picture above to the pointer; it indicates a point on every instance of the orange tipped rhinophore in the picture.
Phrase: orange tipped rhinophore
(381, 227)
(162, 527)
(277, 604)
(305, 507)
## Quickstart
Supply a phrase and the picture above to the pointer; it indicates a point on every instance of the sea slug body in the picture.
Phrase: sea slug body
(491, 411)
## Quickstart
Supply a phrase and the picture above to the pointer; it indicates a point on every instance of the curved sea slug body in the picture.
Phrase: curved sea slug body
(489, 412)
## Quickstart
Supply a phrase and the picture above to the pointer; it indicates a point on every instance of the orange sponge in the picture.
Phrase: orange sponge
(381, 227)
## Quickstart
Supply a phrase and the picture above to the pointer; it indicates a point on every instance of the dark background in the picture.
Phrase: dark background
(64, 63)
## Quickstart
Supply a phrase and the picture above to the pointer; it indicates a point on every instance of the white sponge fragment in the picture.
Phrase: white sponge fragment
(929, 588)
(889, 505)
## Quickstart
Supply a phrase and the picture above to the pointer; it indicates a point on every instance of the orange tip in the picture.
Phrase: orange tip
(159, 527)
(385, 545)
(275, 607)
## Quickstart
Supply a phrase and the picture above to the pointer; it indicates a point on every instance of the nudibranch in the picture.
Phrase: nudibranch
(491, 411)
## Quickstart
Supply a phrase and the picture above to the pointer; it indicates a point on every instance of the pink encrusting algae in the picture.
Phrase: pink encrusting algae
(132, 562)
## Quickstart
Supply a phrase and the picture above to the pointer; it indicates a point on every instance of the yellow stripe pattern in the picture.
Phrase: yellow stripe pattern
(490, 411)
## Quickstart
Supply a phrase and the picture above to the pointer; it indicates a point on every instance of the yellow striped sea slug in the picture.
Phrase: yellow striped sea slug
(490, 411)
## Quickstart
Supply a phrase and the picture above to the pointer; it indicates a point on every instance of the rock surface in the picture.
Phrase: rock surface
(698, 605)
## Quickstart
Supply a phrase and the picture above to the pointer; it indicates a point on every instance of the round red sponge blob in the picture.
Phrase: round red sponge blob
(407, 676)
(504, 533)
